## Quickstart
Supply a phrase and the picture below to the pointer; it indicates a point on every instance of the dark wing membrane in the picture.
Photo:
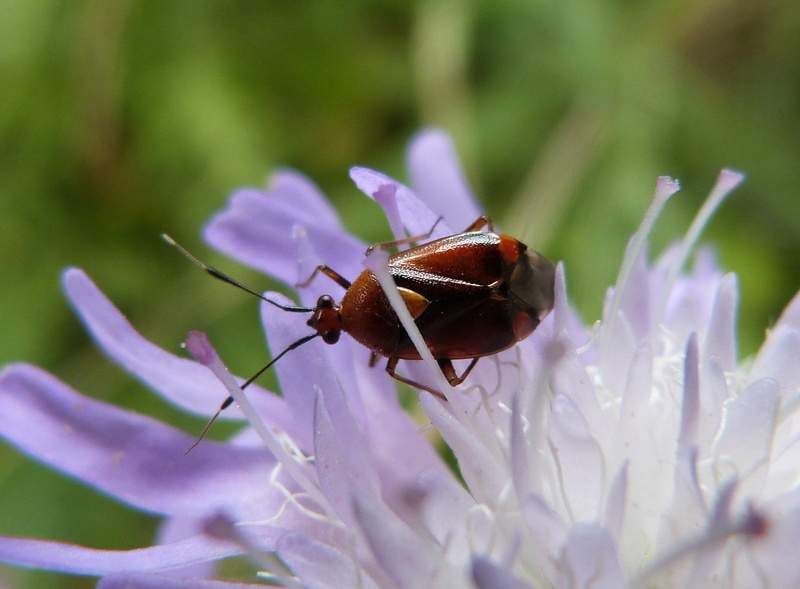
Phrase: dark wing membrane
(465, 327)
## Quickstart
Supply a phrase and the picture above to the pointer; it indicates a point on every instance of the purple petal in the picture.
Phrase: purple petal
(181, 381)
(417, 216)
(129, 456)
(488, 575)
(438, 180)
(386, 196)
(436, 505)
(176, 529)
(343, 460)
(397, 448)
(139, 581)
(322, 566)
(69, 558)
(406, 557)
(692, 298)
(259, 229)
(300, 372)
(370, 394)
(484, 473)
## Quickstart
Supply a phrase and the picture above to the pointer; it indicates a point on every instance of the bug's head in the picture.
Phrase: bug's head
(326, 320)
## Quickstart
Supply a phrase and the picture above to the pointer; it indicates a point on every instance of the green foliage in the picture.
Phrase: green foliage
(120, 120)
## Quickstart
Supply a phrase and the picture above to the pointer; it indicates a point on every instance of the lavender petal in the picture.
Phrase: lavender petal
(438, 179)
(181, 381)
(259, 229)
(131, 457)
(79, 560)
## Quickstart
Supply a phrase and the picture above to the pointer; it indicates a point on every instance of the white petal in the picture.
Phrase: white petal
(614, 516)
(547, 532)
(720, 342)
(589, 561)
(745, 441)
(483, 472)
(578, 458)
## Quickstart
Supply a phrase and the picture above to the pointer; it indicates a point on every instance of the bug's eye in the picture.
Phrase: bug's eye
(330, 337)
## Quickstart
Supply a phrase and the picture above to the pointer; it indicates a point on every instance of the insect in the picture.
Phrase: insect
(472, 294)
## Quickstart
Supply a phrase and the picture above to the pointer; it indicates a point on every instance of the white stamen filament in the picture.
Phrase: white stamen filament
(198, 345)
(377, 262)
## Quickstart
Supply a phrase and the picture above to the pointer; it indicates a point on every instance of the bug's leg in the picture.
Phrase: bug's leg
(406, 240)
(480, 223)
(391, 364)
(332, 274)
(373, 359)
(449, 371)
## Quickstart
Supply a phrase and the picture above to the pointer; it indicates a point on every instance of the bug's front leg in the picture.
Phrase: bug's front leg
(332, 274)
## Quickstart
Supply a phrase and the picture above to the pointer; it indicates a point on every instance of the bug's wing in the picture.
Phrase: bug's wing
(460, 265)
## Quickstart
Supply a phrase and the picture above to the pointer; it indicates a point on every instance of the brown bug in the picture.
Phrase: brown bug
(472, 294)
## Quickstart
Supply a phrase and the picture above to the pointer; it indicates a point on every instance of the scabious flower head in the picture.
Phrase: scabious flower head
(634, 453)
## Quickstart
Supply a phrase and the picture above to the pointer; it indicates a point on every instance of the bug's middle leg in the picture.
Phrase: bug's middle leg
(391, 364)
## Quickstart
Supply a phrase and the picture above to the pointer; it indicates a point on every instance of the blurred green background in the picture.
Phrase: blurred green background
(120, 120)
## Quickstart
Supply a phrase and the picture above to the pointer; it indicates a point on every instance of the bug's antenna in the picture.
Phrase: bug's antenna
(229, 401)
(227, 279)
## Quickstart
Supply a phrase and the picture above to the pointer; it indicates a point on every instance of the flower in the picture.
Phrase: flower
(638, 453)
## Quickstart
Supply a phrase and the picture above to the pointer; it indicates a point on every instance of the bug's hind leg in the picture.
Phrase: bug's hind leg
(404, 241)
(480, 223)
